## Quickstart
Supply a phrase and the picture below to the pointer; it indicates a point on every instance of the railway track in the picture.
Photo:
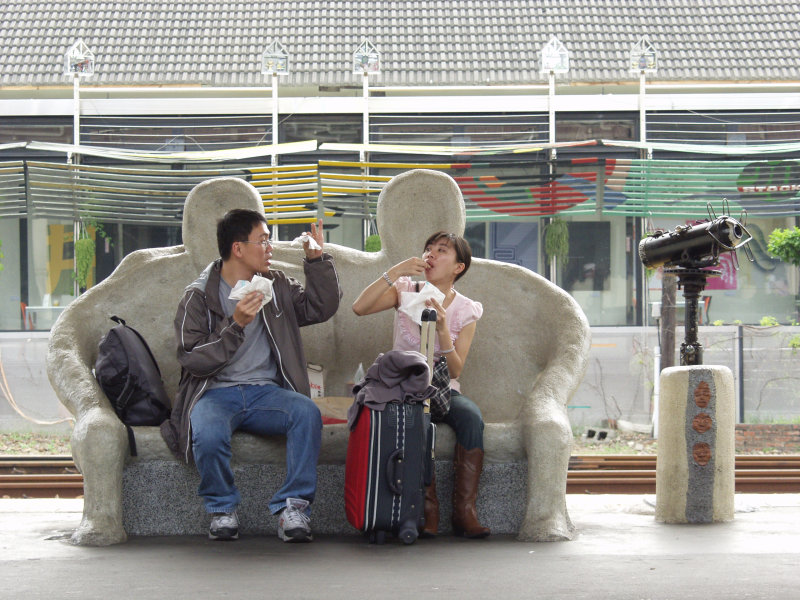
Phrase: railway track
(57, 477)
(636, 474)
(39, 477)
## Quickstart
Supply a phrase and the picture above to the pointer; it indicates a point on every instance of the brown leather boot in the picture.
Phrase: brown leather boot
(468, 465)
(431, 511)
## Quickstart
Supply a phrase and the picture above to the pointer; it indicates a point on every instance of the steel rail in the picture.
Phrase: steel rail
(58, 477)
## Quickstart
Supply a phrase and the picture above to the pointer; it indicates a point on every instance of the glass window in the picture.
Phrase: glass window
(576, 128)
(12, 303)
(39, 129)
(724, 127)
(343, 129)
(458, 129)
(596, 273)
(589, 264)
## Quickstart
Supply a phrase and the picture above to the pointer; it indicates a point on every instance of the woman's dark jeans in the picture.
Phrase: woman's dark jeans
(466, 420)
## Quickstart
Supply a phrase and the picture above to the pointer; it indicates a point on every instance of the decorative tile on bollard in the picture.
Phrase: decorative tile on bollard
(695, 468)
(700, 447)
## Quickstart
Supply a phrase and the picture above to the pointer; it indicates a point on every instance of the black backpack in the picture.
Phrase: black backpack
(129, 375)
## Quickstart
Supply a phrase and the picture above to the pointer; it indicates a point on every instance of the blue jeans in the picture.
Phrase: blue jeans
(466, 420)
(260, 409)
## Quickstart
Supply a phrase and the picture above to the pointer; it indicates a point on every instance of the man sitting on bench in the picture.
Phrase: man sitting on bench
(243, 367)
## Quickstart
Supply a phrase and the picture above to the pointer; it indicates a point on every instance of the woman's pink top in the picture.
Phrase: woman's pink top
(461, 312)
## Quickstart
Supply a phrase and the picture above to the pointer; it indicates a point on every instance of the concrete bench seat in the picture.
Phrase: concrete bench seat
(528, 358)
(160, 494)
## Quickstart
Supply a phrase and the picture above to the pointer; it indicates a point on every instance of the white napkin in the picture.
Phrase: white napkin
(257, 284)
(312, 243)
(413, 303)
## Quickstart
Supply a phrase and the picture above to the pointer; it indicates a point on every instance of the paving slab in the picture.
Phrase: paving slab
(621, 552)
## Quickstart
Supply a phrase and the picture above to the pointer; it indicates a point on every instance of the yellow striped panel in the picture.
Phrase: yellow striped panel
(348, 190)
(341, 176)
(341, 163)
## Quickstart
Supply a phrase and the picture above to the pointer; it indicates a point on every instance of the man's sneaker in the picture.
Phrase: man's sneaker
(224, 526)
(294, 525)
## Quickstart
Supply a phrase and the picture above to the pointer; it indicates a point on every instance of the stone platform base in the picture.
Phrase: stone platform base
(160, 498)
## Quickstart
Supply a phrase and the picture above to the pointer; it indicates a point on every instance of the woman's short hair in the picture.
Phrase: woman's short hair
(459, 244)
(236, 226)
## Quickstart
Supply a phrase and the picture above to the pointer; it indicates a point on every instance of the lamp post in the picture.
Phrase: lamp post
(275, 62)
(366, 62)
(78, 62)
(643, 59)
(555, 59)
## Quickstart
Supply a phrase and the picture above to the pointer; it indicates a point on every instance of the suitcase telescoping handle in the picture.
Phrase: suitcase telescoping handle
(427, 341)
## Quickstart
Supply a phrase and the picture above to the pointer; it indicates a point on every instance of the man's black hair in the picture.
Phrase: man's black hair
(236, 226)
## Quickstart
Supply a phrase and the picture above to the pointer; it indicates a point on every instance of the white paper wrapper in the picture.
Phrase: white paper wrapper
(413, 303)
(257, 284)
(312, 243)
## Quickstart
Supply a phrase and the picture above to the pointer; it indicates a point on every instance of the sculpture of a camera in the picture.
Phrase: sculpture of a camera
(692, 246)
(687, 252)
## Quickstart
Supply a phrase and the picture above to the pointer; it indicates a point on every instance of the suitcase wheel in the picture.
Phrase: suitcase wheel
(408, 532)
(377, 537)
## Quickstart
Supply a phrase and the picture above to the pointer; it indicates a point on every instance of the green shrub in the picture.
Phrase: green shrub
(768, 322)
(372, 244)
(785, 244)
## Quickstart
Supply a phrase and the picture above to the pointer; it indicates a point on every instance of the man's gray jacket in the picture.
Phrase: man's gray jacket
(207, 339)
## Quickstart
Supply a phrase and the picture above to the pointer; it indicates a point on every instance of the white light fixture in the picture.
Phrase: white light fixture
(555, 57)
(79, 60)
(366, 59)
(643, 57)
(275, 60)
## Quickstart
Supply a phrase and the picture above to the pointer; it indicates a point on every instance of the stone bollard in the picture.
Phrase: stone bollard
(695, 475)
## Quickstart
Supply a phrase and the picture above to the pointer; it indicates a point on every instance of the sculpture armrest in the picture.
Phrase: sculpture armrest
(70, 374)
(558, 381)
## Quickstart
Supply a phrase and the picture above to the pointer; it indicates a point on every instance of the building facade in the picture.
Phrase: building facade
(614, 118)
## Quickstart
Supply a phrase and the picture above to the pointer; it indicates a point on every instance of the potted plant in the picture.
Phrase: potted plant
(84, 257)
(85, 250)
(556, 243)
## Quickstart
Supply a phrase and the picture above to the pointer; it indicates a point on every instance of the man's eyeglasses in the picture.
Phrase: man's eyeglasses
(265, 244)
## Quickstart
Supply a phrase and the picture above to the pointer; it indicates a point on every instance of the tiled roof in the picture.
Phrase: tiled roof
(433, 42)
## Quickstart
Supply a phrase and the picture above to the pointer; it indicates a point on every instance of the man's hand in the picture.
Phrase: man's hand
(247, 309)
(316, 234)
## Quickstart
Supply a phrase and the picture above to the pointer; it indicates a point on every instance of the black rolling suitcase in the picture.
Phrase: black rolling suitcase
(390, 462)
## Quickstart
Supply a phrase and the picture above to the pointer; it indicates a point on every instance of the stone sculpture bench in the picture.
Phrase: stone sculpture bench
(528, 357)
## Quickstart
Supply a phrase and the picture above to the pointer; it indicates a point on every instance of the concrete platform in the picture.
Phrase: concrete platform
(621, 553)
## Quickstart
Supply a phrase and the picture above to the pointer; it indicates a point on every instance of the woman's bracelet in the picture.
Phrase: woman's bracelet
(386, 277)
(448, 351)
